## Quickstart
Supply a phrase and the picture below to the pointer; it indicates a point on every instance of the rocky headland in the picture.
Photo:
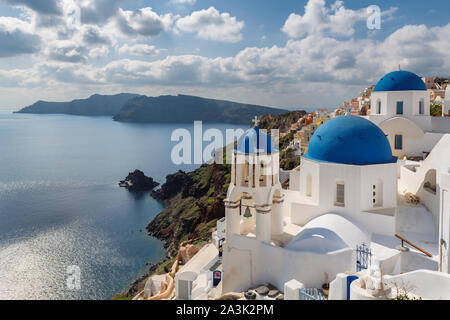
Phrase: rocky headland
(193, 203)
(137, 181)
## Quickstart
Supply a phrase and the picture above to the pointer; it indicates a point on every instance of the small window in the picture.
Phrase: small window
(400, 107)
(398, 142)
(340, 194)
(421, 107)
(379, 107)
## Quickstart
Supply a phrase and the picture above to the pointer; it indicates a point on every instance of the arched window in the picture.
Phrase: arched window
(309, 185)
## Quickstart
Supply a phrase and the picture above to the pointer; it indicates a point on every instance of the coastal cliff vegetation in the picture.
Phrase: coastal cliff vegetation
(193, 204)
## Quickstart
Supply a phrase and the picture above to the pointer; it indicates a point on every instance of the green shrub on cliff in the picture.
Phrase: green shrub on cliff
(193, 211)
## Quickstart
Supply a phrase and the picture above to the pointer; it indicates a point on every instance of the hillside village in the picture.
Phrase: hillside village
(363, 215)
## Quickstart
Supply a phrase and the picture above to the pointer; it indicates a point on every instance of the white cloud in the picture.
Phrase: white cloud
(210, 24)
(315, 68)
(173, 70)
(143, 22)
(318, 18)
(99, 52)
(138, 50)
(17, 37)
(65, 51)
(313, 59)
(41, 6)
(327, 66)
(185, 2)
(98, 11)
(93, 35)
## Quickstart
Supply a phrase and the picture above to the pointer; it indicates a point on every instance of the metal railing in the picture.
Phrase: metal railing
(413, 245)
(363, 257)
(312, 294)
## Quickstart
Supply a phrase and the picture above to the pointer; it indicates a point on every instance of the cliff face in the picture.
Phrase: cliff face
(280, 121)
(288, 159)
(175, 183)
(194, 203)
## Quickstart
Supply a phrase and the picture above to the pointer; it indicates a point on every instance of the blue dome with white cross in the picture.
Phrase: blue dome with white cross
(350, 140)
(400, 81)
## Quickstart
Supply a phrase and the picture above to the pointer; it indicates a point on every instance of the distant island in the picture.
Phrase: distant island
(95, 105)
(183, 108)
(126, 107)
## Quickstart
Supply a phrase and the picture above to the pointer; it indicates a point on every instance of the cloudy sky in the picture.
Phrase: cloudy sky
(288, 53)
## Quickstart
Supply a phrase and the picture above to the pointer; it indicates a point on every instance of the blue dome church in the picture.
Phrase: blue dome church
(349, 170)
(401, 107)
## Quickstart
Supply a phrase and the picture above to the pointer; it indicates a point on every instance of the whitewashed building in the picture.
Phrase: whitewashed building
(311, 231)
(349, 194)
(400, 106)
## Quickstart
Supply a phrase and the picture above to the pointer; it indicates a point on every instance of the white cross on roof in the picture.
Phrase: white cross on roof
(256, 121)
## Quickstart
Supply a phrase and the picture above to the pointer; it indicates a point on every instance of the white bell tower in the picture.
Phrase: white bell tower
(254, 200)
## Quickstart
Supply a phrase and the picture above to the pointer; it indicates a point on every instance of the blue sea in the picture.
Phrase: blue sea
(60, 204)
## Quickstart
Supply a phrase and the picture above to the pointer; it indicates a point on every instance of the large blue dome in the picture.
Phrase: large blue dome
(400, 81)
(350, 140)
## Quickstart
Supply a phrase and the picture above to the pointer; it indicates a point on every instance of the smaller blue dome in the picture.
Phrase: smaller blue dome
(400, 81)
(350, 140)
(254, 141)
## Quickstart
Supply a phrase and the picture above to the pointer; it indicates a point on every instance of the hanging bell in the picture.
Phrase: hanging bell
(247, 214)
